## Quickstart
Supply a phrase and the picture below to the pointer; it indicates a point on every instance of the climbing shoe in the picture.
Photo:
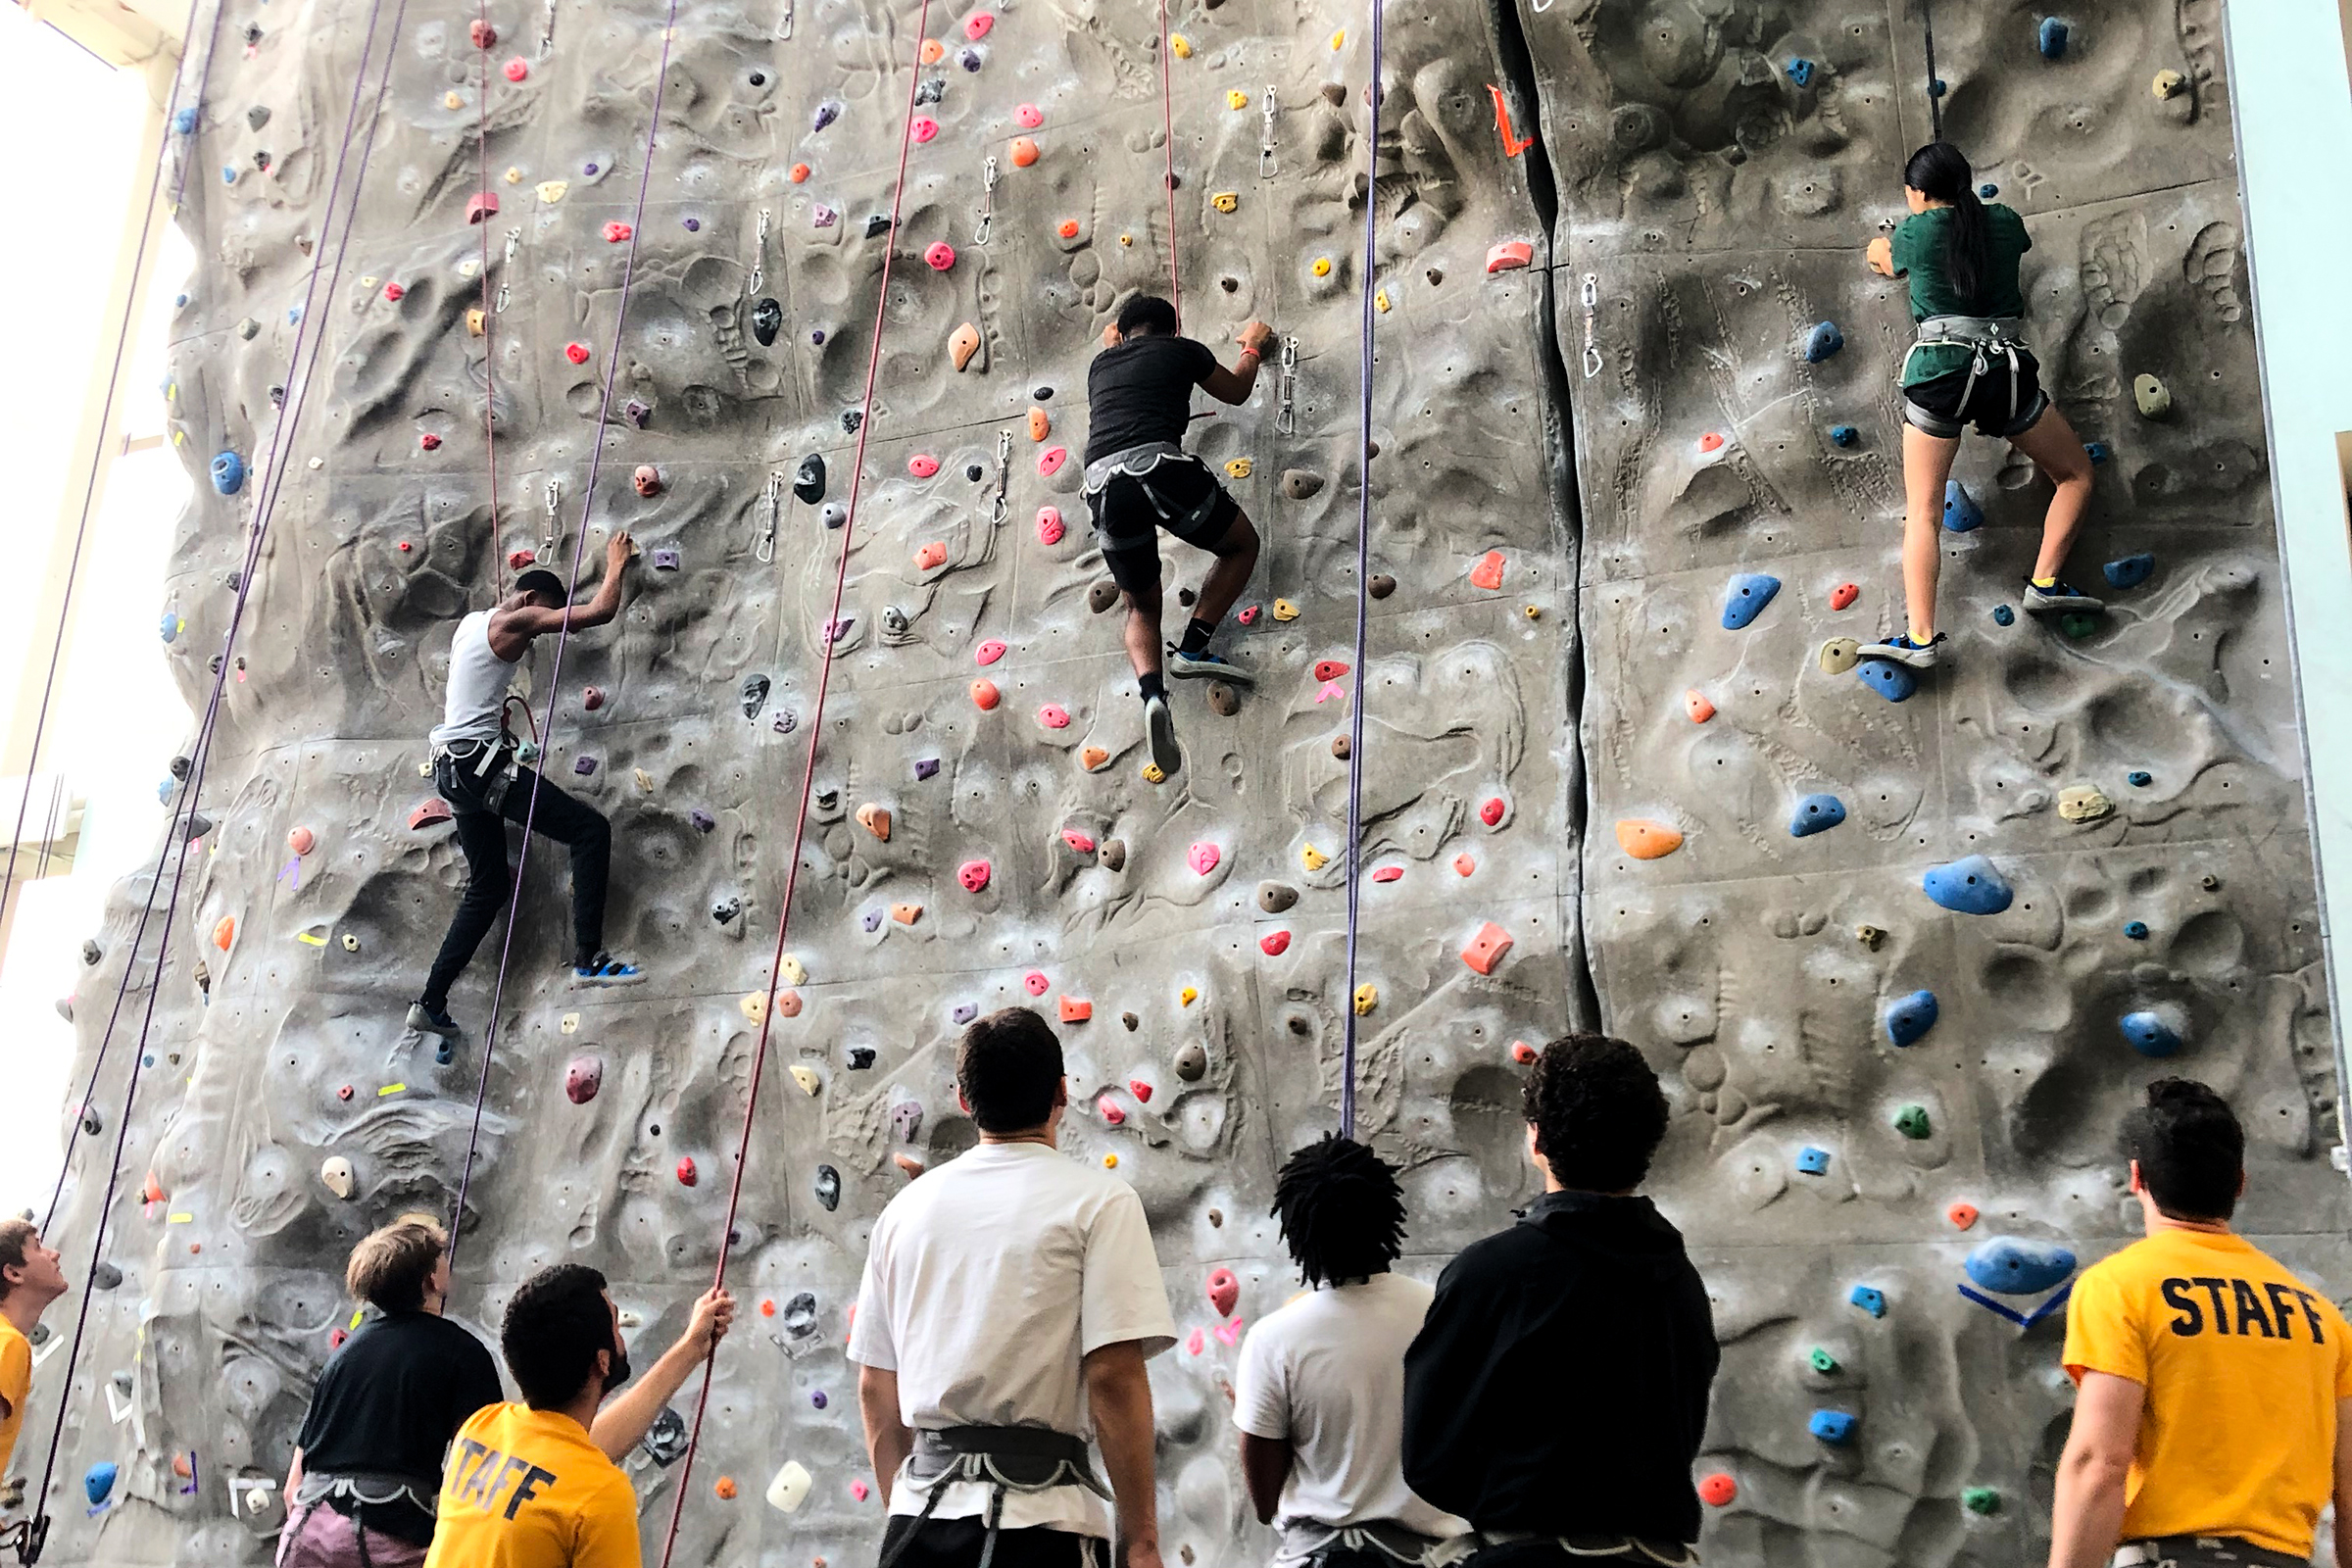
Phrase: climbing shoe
(2061, 600)
(1903, 651)
(606, 971)
(1195, 667)
(425, 1021)
(1161, 726)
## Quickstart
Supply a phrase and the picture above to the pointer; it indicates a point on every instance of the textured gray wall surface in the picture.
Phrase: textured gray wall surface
(1709, 170)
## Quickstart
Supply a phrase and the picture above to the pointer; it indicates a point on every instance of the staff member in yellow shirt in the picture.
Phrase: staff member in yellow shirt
(534, 1485)
(2215, 1414)
(30, 1280)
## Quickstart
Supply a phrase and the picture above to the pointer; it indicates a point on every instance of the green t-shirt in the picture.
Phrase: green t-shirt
(1918, 247)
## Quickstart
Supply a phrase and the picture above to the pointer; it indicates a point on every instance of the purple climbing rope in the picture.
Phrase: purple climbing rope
(265, 493)
(106, 413)
(1363, 567)
(555, 678)
(800, 826)
(498, 555)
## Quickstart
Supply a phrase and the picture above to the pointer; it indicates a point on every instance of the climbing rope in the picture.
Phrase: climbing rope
(800, 825)
(1927, 27)
(555, 678)
(1363, 567)
(266, 491)
(106, 413)
(498, 555)
(1168, 137)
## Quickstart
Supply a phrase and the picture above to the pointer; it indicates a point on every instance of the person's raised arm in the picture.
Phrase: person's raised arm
(511, 629)
(1119, 1393)
(1266, 1467)
(2086, 1514)
(628, 1417)
(888, 1440)
(1234, 386)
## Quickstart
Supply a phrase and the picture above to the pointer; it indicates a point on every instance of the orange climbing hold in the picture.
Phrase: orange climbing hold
(1068, 228)
(1695, 703)
(1074, 1010)
(1647, 840)
(875, 819)
(788, 1003)
(1509, 255)
(962, 344)
(934, 554)
(1718, 1489)
(984, 694)
(1092, 757)
(798, 174)
(1487, 574)
(225, 932)
(1845, 594)
(905, 913)
(1041, 424)
(932, 51)
(724, 1489)
(1024, 152)
(301, 841)
(1486, 948)
(1463, 866)
(1962, 1215)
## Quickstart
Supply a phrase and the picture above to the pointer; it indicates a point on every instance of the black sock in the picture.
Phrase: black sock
(1150, 686)
(1196, 638)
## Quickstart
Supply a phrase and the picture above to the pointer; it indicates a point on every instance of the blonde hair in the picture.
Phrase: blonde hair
(392, 1266)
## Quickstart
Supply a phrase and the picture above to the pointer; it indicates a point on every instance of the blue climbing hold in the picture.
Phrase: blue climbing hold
(2053, 38)
(1832, 1426)
(293, 314)
(1843, 435)
(1988, 190)
(1907, 1018)
(1816, 814)
(162, 790)
(1812, 1162)
(185, 121)
(1888, 678)
(1969, 885)
(228, 174)
(2136, 930)
(1961, 514)
(2150, 1033)
(1800, 71)
(1746, 597)
(2003, 616)
(1822, 341)
(228, 473)
(98, 1482)
(170, 627)
(1870, 1299)
(1937, 88)
(2097, 451)
(2139, 778)
(2131, 571)
(2007, 1266)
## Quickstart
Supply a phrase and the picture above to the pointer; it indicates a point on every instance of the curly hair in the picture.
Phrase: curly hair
(554, 1326)
(1341, 1209)
(1598, 1111)
(2192, 1150)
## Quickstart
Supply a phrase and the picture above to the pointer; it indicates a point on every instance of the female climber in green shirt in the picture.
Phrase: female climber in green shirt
(1970, 367)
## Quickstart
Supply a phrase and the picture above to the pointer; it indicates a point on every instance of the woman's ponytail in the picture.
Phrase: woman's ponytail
(1940, 171)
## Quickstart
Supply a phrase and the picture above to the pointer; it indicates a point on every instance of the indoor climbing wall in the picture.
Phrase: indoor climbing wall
(1605, 415)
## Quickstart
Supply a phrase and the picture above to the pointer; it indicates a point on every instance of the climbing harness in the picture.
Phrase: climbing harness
(377, 1490)
(988, 199)
(1990, 338)
(1286, 387)
(1265, 136)
(1137, 462)
(817, 730)
(1167, 133)
(1667, 1555)
(1592, 302)
(1003, 1459)
(1308, 1544)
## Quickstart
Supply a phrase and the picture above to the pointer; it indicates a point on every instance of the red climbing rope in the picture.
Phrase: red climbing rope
(1168, 129)
(498, 555)
(800, 826)
(555, 678)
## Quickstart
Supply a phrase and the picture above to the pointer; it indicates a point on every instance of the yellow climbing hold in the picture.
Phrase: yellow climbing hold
(1187, 996)
(1180, 46)
(1645, 840)
(1339, 39)
(1322, 266)
(2155, 400)
(1153, 774)
(1381, 299)
(806, 1076)
(1532, 611)
(551, 191)
(514, 176)
(1313, 859)
(792, 972)
(1110, 1163)
(2084, 803)
(1839, 655)
(1237, 468)
(478, 321)
(391, 1088)
(645, 780)
(450, 100)
(1367, 997)
(2168, 83)
(314, 939)
(1226, 201)
(1237, 99)
(754, 1005)
(1284, 609)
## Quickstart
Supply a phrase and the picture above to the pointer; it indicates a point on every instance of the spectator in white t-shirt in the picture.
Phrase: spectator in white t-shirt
(1010, 1300)
(1320, 1396)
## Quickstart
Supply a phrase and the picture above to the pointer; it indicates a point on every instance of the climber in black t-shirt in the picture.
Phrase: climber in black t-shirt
(1140, 479)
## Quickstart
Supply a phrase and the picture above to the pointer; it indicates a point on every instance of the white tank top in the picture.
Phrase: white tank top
(478, 685)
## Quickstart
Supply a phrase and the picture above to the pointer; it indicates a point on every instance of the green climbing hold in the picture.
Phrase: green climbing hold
(2077, 625)
(1822, 1361)
(1981, 1500)
(1912, 1122)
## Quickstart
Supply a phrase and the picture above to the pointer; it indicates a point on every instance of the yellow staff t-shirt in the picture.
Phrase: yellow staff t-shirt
(16, 1387)
(2244, 1364)
(525, 1489)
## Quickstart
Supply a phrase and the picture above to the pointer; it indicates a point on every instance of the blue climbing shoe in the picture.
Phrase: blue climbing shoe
(1160, 727)
(2061, 600)
(1195, 667)
(425, 1021)
(1903, 651)
(606, 971)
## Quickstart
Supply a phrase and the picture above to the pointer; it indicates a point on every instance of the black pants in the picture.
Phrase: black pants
(490, 882)
(955, 1543)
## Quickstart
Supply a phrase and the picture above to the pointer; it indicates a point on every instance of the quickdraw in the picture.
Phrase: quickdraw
(1592, 302)
(996, 512)
(759, 250)
(988, 200)
(765, 549)
(1286, 387)
(1265, 136)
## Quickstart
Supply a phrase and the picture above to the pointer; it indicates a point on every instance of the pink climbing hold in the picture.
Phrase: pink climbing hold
(1248, 616)
(973, 875)
(1077, 840)
(1845, 594)
(1036, 982)
(1274, 944)
(687, 1174)
(1224, 1290)
(1228, 1332)
(479, 206)
(1048, 525)
(577, 352)
(1054, 716)
(941, 256)
(481, 32)
(924, 128)
(591, 698)
(989, 652)
(1464, 864)
(1487, 574)
(1112, 1113)
(977, 25)
(1194, 1345)
(922, 465)
(1029, 117)
(518, 69)
(1202, 858)
(395, 293)
(1389, 873)
(583, 1078)
(1490, 814)
(1712, 441)
(934, 554)
(1049, 462)
(859, 1489)
(1329, 670)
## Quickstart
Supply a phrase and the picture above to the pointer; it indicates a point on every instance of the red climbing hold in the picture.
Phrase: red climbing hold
(1962, 1215)
(1712, 441)
(481, 32)
(577, 352)
(1718, 1489)
(1389, 873)
(1141, 1089)
(1509, 255)
(1488, 948)
(941, 256)
(973, 875)
(395, 293)
(1274, 944)
(930, 556)
(924, 128)
(1224, 1290)
(1487, 574)
(798, 174)
(1523, 1053)
(977, 25)
(1490, 814)
(518, 558)
(687, 1174)
(432, 814)
(429, 442)
(1845, 594)
(922, 465)
(1112, 1113)
(617, 233)
(1329, 670)
(406, 546)
(583, 1078)
(479, 206)
(518, 69)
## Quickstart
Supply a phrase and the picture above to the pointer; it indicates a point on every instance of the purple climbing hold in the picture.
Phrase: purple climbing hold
(926, 767)
(583, 765)
(964, 1012)
(817, 1397)
(636, 412)
(694, 225)
(703, 820)
(665, 559)
(873, 921)
(827, 113)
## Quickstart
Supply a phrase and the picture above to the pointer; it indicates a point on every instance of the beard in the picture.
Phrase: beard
(619, 1373)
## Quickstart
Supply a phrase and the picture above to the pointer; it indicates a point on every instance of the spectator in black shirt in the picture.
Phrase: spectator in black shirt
(1138, 480)
(368, 1463)
(1558, 1393)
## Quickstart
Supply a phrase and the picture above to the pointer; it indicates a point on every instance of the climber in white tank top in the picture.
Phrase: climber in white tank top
(476, 768)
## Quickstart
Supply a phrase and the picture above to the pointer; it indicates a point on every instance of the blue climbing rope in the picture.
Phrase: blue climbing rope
(1363, 569)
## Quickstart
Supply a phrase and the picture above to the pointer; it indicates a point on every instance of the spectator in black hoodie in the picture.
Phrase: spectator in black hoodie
(1558, 1393)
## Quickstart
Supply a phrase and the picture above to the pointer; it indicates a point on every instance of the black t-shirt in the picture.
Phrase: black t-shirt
(1141, 391)
(388, 1402)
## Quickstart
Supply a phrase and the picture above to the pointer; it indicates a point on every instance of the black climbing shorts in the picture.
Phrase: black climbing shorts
(1935, 408)
(1128, 525)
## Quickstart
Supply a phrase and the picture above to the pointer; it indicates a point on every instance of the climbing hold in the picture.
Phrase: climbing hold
(1382, 585)
(1041, 423)
(724, 1489)
(2155, 400)
(1389, 873)
(1237, 468)
(583, 1076)
(1274, 944)
(1202, 858)
(1839, 655)
(1464, 864)
(1049, 527)
(1913, 1123)
(1320, 267)
(1108, 1108)
(2151, 1032)
(228, 473)
(583, 765)
(1961, 1215)
(2097, 451)
(1224, 1290)
(1888, 678)
(337, 1176)
(1845, 594)
(2168, 85)
(1367, 997)
(2052, 38)
(1645, 840)
(1092, 757)
(989, 652)
(1075, 1009)
(1313, 859)
(932, 555)
(98, 1482)
(1487, 575)
(687, 1174)
(617, 233)
(1284, 609)
(2131, 571)
(1510, 256)
(1969, 885)
(2136, 930)
(1486, 948)
(1812, 1160)
(2003, 616)
(302, 841)
(1024, 152)
(1823, 1363)
(225, 932)
(2139, 778)
(1869, 1299)
(1749, 592)
(647, 480)
(516, 68)
(1329, 668)
(984, 694)
(1907, 1019)
(1696, 706)
(2008, 1266)
(1105, 593)
(1054, 716)
(1834, 1427)
(1822, 341)
(2084, 803)
(875, 819)
(1718, 1489)
(806, 1076)
(925, 129)
(973, 875)
(1979, 1500)
(432, 814)
(1816, 814)
(577, 352)
(1843, 435)
(1050, 460)
(962, 344)
(1961, 514)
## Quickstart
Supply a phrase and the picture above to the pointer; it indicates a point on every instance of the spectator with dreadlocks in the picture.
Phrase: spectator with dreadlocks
(1320, 1394)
